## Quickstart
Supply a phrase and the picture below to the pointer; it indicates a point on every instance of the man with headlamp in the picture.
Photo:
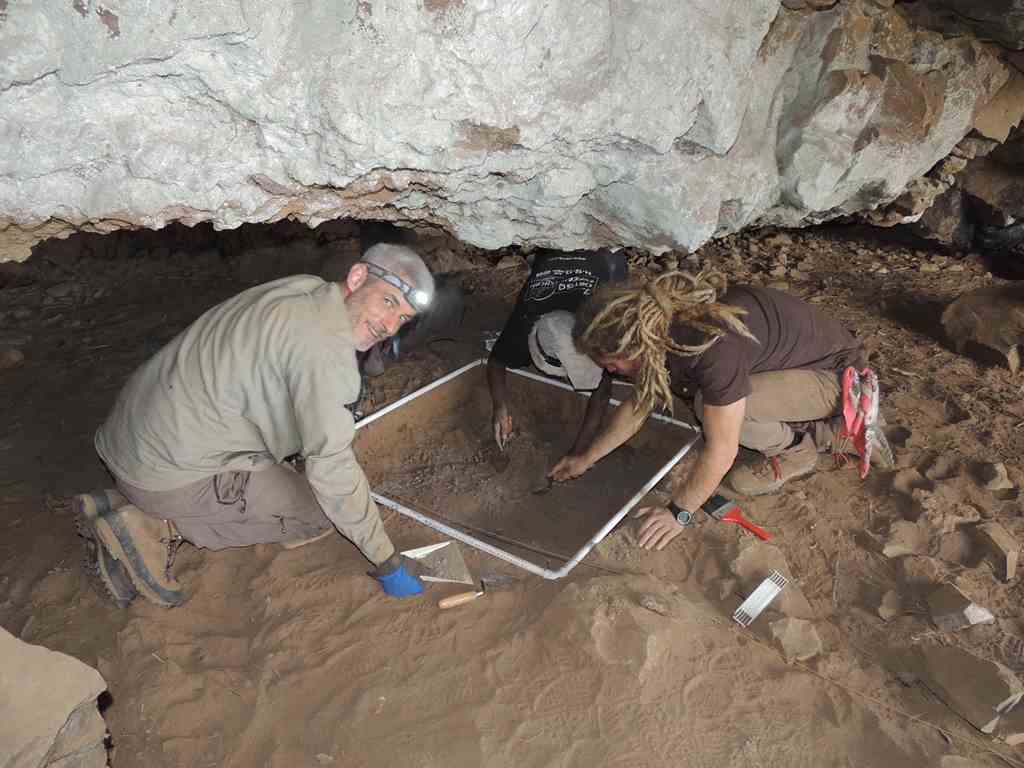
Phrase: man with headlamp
(198, 436)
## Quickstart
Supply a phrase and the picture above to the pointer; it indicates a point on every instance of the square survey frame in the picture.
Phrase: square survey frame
(689, 435)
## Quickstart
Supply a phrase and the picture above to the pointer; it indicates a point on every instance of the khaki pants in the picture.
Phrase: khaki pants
(237, 509)
(783, 402)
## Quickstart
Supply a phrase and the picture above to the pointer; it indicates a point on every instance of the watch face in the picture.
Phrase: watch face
(683, 517)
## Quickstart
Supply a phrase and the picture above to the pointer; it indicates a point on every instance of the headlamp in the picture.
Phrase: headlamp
(418, 299)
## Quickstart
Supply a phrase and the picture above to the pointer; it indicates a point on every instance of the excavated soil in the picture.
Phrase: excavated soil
(436, 454)
(294, 658)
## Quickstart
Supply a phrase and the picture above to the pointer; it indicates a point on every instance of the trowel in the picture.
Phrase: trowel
(439, 562)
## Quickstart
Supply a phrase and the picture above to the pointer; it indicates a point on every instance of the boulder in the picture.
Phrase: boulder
(48, 708)
(601, 129)
(992, 317)
(977, 689)
(951, 609)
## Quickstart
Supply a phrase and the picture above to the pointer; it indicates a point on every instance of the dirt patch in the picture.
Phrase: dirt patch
(296, 658)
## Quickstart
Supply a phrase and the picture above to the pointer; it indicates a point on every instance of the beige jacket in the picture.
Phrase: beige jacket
(262, 376)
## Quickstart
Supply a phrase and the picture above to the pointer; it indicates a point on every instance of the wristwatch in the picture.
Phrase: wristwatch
(683, 517)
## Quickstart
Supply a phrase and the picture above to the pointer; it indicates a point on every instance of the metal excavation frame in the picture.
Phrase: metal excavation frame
(689, 435)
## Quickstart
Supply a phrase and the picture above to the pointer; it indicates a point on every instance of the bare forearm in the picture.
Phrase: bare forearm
(625, 423)
(496, 381)
(597, 404)
(704, 478)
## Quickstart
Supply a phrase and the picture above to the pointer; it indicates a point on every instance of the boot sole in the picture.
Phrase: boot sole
(108, 576)
(109, 531)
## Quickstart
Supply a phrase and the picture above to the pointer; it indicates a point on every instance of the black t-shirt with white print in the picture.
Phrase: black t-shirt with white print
(558, 280)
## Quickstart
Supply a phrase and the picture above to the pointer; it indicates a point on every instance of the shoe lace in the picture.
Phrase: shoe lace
(173, 542)
(771, 465)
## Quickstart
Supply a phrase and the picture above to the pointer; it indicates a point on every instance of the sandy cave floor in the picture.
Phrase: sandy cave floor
(296, 659)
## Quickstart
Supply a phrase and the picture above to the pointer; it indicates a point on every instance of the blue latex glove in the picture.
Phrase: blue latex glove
(400, 583)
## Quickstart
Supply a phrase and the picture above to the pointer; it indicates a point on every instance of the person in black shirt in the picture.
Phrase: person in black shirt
(558, 284)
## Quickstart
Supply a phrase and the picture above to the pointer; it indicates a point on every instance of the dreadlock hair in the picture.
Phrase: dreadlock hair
(633, 323)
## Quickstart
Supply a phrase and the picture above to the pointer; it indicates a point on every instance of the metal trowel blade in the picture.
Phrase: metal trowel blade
(440, 562)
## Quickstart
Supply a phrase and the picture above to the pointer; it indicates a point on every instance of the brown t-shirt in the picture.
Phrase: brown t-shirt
(792, 334)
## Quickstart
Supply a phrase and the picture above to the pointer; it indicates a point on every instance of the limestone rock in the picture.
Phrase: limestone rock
(977, 689)
(1004, 113)
(1001, 549)
(755, 563)
(598, 131)
(992, 316)
(10, 357)
(47, 702)
(80, 743)
(905, 538)
(946, 221)
(996, 184)
(994, 476)
(1001, 21)
(951, 609)
(797, 638)
(891, 606)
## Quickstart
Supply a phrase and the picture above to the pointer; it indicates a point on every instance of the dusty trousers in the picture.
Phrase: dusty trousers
(782, 403)
(237, 509)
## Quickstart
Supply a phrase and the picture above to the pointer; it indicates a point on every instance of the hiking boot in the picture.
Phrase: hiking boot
(296, 543)
(771, 472)
(842, 447)
(109, 576)
(144, 546)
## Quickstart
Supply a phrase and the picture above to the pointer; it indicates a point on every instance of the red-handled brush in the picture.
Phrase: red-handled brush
(726, 511)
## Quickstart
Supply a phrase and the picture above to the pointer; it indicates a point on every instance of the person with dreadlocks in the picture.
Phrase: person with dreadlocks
(768, 368)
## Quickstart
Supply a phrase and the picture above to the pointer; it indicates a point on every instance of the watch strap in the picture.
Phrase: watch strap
(683, 517)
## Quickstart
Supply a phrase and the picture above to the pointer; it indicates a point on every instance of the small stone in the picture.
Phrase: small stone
(905, 538)
(324, 759)
(797, 638)
(929, 267)
(994, 476)
(909, 480)
(22, 314)
(10, 357)
(943, 467)
(727, 588)
(1001, 549)
(978, 689)
(891, 605)
(951, 609)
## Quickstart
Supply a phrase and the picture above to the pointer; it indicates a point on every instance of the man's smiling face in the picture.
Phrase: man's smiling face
(376, 309)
